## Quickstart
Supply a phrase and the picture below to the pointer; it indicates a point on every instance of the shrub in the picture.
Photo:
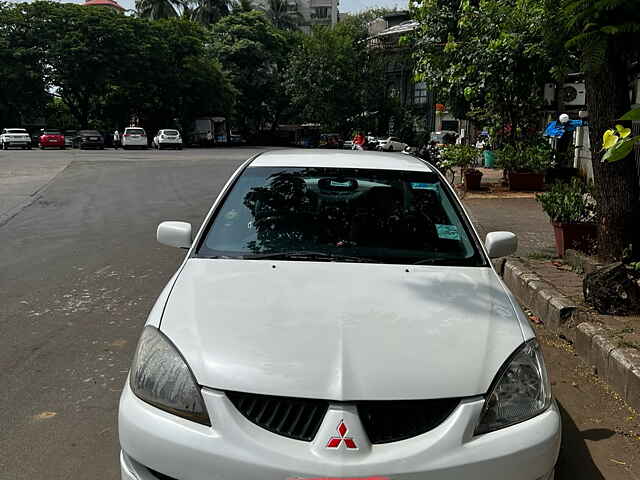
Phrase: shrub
(525, 157)
(568, 202)
(462, 156)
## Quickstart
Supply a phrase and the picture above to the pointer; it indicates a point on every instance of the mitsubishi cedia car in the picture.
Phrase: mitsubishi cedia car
(336, 316)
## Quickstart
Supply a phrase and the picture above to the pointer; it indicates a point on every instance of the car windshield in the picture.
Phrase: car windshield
(340, 214)
(90, 132)
(16, 130)
(171, 132)
(135, 131)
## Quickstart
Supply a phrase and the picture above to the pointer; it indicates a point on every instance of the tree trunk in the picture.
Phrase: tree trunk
(616, 184)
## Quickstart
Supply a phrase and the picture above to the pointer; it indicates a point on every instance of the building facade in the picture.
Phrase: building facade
(415, 101)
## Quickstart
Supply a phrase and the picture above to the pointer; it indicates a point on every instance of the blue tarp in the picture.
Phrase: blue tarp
(557, 129)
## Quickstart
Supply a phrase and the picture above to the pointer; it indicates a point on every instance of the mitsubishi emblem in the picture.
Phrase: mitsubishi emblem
(334, 442)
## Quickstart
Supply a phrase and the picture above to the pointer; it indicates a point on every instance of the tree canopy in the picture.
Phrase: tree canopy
(487, 60)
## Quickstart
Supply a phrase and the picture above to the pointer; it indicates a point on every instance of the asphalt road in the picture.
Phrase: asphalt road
(79, 271)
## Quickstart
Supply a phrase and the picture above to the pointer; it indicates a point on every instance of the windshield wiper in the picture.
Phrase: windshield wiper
(306, 255)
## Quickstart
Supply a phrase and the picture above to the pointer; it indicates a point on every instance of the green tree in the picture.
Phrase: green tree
(240, 6)
(254, 55)
(207, 12)
(605, 34)
(487, 59)
(281, 17)
(157, 9)
(331, 78)
(107, 68)
(22, 85)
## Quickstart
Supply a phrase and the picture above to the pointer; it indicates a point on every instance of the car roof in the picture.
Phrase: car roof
(345, 159)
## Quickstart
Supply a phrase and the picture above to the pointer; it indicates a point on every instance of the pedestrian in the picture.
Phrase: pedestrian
(116, 139)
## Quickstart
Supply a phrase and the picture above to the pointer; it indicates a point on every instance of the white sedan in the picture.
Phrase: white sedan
(391, 144)
(337, 316)
(167, 138)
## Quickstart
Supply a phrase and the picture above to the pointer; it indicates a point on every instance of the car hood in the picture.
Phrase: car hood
(341, 331)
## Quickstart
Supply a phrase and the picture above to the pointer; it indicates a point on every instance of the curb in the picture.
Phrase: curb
(618, 366)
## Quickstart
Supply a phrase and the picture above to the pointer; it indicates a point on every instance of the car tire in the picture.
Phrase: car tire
(179, 148)
(41, 147)
(62, 148)
(391, 148)
(28, 147)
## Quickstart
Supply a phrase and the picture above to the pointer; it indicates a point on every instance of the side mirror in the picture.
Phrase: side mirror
(500, 244)
(174, 234)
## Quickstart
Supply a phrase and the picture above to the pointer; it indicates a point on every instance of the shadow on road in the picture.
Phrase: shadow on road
(575, 459)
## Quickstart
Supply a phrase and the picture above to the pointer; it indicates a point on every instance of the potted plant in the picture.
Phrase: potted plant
(525, 164)
(571, 208)
(466, 158)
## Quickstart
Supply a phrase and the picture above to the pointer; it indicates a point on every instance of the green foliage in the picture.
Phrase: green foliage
(254, 54)
(331, 80)
(106, 68)
(568, 202)
(619, 143)
(460, 156)
(533, 156)
(281, 17)
(22, 83)
(488, 59)
(157, 9)
(594, 24)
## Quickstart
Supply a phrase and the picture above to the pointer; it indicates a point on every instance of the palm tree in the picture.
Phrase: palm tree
(207, 12)
(281, 16)
(243, 6)
(157, 9)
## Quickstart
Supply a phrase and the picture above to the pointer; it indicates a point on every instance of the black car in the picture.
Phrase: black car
(88, 139)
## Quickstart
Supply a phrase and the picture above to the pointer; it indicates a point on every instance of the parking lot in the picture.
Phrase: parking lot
(80, 269)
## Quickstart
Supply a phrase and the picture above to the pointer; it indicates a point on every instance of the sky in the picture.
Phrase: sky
(345, 5)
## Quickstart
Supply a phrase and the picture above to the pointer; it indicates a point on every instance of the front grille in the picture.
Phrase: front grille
(296, 418)
(384, 421)
(391, 421)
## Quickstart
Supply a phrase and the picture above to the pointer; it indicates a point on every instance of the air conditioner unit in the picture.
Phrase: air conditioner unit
(573, 94)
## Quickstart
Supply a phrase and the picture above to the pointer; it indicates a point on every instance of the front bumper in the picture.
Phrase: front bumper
(17, 143)
(234, 448)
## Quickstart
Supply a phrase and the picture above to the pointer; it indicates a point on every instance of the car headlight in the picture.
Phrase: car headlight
(520, 391)
(161, 377)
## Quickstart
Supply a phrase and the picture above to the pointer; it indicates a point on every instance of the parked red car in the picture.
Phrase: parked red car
(52, 138)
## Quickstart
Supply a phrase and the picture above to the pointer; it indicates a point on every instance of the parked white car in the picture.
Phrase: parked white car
(134, 137)
(168, 138)
(391, 144)
(15, 137)
(337, 316)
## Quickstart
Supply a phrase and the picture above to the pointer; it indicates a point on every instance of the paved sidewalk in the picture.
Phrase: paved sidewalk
(608, 343)
(522, 216)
